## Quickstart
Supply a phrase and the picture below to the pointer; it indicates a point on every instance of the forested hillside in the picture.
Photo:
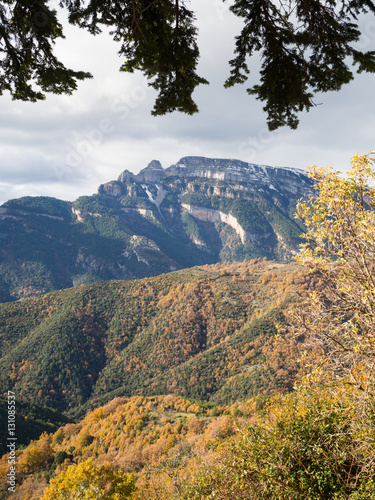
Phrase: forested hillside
(149, 439)
(206, 333)
(31, 421)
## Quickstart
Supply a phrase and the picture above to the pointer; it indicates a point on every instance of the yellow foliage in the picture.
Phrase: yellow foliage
(85, 481)
(179, 426)
(31, 460)
(219, 428)
(96, 415)
(4, 469)
(72, 429)
(194, 408)
(194, 425)
(172, 440)
(58, 437)
(84, 439)
(340, 223)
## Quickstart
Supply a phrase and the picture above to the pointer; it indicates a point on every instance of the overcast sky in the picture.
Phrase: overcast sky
(66, 146)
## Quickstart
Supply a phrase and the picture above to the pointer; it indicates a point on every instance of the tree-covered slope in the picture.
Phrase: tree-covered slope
(205, 333)
(151, 437)
(31, 421)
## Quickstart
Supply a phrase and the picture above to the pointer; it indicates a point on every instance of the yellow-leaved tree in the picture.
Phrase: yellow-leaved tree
(340, 250)
(85, 481)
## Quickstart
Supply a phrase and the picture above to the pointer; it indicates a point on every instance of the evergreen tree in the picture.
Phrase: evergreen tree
(305, 48)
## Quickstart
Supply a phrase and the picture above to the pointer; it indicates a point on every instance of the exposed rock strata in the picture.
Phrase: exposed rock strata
(210, 215)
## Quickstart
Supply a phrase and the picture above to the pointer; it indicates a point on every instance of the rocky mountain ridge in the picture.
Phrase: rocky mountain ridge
(262, 176)
(197, 211)
(212, 168)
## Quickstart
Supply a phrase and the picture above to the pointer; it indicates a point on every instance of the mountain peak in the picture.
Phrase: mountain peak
(125, 176)
(153, 165)
(154, 172)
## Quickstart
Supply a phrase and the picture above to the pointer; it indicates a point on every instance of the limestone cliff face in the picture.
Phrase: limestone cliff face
(236, 173)
(210, 215)
(260, 176)
(80, 214)
(142, 211)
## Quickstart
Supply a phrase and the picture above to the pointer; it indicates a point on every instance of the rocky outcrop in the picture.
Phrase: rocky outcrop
(142, 211)
(112, 188)
(79, 214)
(210, 215)
(126, 176)
(237, 172)
(154, 172)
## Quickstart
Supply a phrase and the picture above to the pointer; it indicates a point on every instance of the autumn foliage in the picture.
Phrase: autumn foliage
(287, 406)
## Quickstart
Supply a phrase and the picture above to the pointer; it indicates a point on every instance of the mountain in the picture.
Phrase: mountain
(198, 211)
(206, 333)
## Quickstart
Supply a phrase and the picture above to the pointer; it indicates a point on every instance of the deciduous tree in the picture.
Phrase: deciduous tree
(85, 481)
(340, 250)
